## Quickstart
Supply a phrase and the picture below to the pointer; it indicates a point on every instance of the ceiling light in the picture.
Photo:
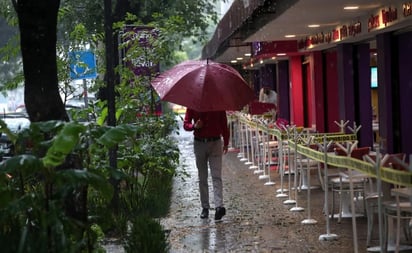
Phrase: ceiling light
(261, 62)
(248, 54)
(290, 36)
(233, 61)
(239, 58)
(281, 54)
(351, 7)
(313, 26)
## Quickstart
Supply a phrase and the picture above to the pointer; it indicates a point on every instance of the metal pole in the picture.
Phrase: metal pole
(328, 236)
(110, 79)
(85, 94)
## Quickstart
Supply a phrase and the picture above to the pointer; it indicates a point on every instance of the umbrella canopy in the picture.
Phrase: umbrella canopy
(204, 86)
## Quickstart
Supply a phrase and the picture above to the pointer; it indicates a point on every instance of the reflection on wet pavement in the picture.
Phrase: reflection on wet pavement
(189, 233)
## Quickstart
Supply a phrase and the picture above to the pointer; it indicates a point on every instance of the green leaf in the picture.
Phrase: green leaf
(63, 144)
(96, 181)
(23, 163)
(117, 134)
(48, 126)
(101, 119)
(6, 130)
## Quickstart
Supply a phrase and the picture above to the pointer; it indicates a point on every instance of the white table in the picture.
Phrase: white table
(357, 178)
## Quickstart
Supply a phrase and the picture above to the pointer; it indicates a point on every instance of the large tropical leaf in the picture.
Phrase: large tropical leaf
(96, 181)
(63, 144)
(117, 134)
(21, 163)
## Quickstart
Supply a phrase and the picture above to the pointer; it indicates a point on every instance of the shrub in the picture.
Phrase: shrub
(146, 236)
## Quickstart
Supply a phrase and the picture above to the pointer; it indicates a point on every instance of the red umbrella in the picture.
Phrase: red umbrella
(204, 86)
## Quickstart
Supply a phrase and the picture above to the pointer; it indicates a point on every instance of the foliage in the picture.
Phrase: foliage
(196, 15)
(148, 192)
(10, 68)
(35, 215)
(55, 193)
(37, 193)
(145, 235)
(81, 23)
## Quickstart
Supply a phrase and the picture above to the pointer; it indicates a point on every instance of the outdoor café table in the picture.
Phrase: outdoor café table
(267, 147)
(306, 164)
(345, 195)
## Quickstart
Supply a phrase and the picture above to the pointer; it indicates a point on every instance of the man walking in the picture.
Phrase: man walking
(208, 129)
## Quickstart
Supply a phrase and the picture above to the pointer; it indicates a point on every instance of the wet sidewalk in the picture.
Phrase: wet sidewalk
(256, 220)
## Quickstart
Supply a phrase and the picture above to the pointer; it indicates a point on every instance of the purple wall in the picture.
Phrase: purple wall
(268, 76)
(346, 83)
(386, 131)
(405, 91)
(364, 100)
(355, 104)
(283, 89)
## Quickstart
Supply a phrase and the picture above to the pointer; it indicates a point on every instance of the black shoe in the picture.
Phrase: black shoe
(205, 213)
(220, 212)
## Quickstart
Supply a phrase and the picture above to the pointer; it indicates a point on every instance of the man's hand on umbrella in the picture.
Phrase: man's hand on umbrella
(198, 124)
(225, 148)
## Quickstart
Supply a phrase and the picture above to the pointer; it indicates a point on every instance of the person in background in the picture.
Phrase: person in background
(267, 95)
(208, 129)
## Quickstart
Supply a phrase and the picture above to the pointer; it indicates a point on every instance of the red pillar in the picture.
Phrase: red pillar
(296, 91)
(318, 83)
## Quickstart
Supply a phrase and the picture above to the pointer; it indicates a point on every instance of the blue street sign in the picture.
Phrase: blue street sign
(82, 65)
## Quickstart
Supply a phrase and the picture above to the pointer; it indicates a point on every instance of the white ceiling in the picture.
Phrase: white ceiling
(295, 20)
(328, 14)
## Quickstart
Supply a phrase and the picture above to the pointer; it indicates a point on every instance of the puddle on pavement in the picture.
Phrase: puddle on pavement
(208, 239)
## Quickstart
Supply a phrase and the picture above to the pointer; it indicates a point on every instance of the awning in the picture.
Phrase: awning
(242, 19)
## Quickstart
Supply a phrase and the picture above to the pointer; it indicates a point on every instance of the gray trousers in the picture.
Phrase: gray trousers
(209, 154)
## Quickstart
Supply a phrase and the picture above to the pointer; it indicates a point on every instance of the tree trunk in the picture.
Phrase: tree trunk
(38, 32)
(38, 37)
